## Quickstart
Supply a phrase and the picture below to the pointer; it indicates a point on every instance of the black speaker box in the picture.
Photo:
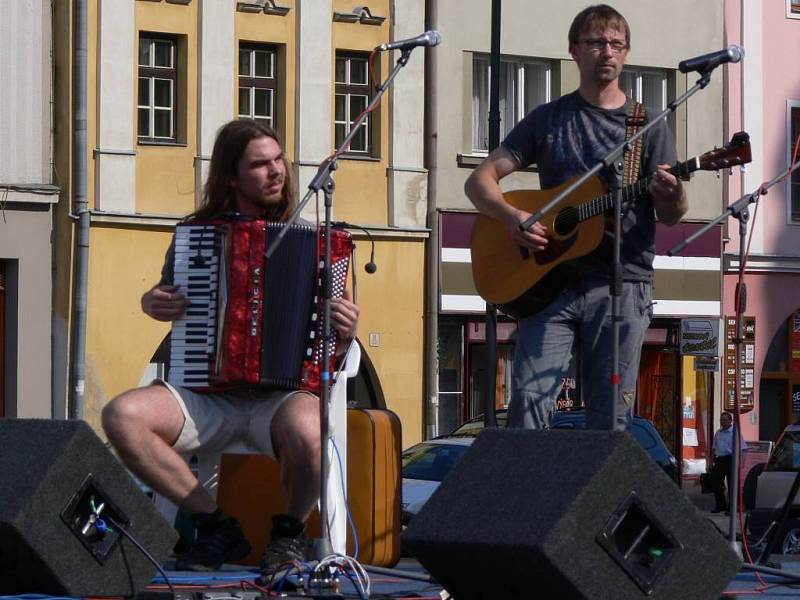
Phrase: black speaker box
(566, 514)
(63, 496)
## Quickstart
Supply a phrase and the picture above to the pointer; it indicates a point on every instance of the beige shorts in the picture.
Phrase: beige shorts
(232, 421)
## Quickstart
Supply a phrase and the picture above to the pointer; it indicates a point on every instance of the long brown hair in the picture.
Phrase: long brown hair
(218, 195)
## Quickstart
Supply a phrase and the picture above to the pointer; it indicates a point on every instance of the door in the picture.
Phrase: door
(657, 397)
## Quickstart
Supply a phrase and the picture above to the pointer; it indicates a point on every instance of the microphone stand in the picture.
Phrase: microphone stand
(323, 180)
(740, 211)
(615, 285)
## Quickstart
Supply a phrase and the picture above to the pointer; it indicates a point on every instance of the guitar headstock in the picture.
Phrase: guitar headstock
(735, 152)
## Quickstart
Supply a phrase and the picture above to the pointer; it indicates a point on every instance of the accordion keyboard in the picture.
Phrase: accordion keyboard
(197, 268)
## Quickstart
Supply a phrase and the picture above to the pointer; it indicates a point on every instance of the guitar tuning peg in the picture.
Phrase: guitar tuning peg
(743, 168)
(717, 174)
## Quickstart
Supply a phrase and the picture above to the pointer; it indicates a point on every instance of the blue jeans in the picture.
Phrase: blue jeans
(544, 348)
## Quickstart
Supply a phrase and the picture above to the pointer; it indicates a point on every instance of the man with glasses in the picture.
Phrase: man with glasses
(565, 138)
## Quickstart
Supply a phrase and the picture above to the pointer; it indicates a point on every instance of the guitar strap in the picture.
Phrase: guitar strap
(633, 159)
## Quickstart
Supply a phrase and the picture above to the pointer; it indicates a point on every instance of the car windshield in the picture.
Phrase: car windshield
(786, 456)
(474, 426)
(431, 462)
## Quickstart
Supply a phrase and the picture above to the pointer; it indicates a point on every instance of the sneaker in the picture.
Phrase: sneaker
(287, 544)
(219, 540)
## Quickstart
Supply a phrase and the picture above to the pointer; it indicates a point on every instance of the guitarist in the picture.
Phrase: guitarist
(564, 138)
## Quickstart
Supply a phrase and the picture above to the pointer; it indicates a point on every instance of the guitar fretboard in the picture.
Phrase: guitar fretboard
(599, 205)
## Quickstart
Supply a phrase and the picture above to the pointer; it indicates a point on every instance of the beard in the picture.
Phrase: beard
(270, 199)
(607, 73)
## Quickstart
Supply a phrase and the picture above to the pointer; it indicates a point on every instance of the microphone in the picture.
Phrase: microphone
(369, 267)
(429, 38)
(707, 62)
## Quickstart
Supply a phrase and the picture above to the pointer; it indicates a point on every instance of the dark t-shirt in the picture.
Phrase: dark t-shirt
(569, 136)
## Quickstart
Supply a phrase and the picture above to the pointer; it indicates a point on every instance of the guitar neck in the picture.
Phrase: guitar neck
(596, 206)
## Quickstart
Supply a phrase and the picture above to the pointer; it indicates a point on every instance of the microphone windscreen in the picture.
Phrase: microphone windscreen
(736, 52)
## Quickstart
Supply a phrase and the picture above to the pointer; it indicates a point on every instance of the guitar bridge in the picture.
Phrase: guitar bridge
(524, 252)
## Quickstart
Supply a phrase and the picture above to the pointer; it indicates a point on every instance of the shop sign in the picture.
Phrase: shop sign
(706, 363)
(796, 398)
(699, 337)
(747, 373)
(794, 344)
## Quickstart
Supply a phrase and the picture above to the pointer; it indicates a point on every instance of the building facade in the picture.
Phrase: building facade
(29, 188)
(535, 68)
(163, 76)
(765, 99)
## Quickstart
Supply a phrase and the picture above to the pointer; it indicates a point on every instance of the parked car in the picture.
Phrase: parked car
(772, 487)
(426, 464)
(641, 429)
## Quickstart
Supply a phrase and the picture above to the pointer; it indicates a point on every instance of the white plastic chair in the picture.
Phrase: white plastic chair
(208, 464)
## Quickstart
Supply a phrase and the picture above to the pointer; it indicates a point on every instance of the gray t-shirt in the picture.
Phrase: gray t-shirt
(569, 136)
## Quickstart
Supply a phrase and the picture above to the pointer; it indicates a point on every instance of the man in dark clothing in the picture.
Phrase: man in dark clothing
(566, 137)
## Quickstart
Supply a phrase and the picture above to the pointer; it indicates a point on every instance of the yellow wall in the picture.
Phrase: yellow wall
(391, 303)
(360, 195)
(125, 259)
(165, 174)
(272, 29)
(361, 185)
(121, 339)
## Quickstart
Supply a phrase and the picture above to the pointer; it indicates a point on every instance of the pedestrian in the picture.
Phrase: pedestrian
(722, 463)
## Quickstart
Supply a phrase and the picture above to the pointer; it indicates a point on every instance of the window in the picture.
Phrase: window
(257, 83)
(794, 182)
(524, 85)
(158, 88)
(648, 86)
(353, 95)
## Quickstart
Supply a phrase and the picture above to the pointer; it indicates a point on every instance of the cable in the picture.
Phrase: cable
(342, 562)
(346, 503)
(369, 267)
(141, 549)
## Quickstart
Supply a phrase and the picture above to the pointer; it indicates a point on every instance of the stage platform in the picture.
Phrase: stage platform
(236, 583)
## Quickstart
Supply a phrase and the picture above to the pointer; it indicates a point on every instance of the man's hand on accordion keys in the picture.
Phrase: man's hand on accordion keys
(164, 302)
(344, 317)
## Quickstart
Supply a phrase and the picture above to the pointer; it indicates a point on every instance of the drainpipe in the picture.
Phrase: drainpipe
(431, 412)
(78, 350)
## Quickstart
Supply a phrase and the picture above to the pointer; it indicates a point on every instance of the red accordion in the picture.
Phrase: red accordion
(253, 321)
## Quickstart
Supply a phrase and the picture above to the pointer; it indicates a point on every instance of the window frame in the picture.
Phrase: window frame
(794, 178)
(152, 73)
(665, 75)
(348, 89)
(792, 9)
(254, 82)
(519, 62)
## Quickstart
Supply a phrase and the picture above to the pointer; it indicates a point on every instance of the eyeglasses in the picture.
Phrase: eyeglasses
(599, 44)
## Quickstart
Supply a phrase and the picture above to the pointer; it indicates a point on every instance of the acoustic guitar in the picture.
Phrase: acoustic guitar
(521, 282)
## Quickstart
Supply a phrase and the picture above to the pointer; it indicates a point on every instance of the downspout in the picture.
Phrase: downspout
(431, 412)
(78, 350)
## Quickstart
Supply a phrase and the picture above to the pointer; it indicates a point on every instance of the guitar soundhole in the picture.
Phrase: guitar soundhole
(566, 221)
